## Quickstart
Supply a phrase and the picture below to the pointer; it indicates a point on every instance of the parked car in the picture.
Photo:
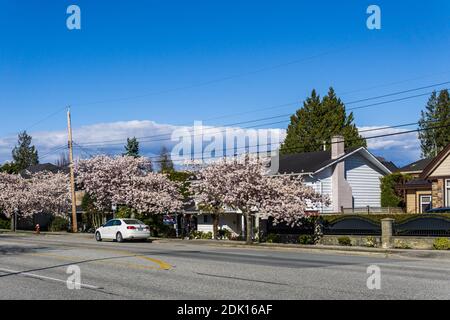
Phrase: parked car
(439, 210)
(123, 229)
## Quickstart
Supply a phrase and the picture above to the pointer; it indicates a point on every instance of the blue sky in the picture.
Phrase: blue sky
(130, 59)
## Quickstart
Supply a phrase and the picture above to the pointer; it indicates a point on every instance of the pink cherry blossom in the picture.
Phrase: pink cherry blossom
(127, 181)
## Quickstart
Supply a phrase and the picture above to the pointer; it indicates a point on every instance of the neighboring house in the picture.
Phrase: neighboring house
(230, 220)
(438, 173)
(431, 186)
(415, 169)
(350, 178)
(417, 192)
(42, 167)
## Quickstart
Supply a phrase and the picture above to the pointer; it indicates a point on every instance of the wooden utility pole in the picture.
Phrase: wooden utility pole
(72, 174)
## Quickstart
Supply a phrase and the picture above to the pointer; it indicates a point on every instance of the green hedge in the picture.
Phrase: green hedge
(399, 218)
(5, 223)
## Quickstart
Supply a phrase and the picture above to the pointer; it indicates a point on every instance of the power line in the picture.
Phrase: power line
(145, 138)
(328, 143)
(320, 143)
(346, 103)
(399, 92)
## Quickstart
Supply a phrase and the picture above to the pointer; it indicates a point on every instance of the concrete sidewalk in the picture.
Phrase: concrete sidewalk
(45, 233)
(412, 253)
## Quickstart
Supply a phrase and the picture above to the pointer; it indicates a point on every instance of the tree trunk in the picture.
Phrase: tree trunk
(13, 227)
(215, 226)
(248, 233)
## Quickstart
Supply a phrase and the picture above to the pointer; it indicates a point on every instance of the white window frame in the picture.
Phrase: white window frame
(422, 203)
(446, 192)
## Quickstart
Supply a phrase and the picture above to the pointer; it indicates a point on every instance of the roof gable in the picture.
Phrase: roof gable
(315, 162)
(436, 162)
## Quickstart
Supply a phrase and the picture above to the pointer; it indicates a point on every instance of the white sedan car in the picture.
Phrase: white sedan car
(122, 229)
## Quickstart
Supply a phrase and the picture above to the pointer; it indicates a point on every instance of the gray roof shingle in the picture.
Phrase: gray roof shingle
(416, 166)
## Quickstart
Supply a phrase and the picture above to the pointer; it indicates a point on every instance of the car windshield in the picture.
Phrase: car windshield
(132, 221)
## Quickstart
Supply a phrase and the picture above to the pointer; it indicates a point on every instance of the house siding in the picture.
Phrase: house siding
(322, 183)
(364, 180)
(230, 221)
(443, 169)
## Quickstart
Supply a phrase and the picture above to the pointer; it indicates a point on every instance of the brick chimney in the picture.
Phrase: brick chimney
(337, 146)
(342, 192)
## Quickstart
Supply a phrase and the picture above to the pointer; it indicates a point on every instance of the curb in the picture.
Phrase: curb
(43, 233)
(410, 253)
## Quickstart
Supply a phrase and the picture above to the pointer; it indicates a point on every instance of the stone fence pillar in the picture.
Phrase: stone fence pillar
(386, 233)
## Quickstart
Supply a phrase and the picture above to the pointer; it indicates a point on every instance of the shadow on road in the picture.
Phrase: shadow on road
(16, 250)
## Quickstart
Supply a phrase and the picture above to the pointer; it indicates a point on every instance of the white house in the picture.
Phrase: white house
(350, 178)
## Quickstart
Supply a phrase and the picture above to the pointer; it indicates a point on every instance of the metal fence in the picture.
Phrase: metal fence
(419, 225)
(372, 210)
(425, 226)
(352, 226)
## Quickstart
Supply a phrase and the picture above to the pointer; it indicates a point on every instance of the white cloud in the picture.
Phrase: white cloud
(402, 148)
(110, 138)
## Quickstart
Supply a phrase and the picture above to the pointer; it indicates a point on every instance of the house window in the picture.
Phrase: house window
(425, 203)
(205, 219)
(447, 193)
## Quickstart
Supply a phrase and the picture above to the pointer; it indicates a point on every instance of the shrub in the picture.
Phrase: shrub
(5, 224)
(157, 226)
(371, 242)
(59, 224)
(441, 244)
(306, 239)
(124, 212)
(403, 245)
(207, 235)
(345, 241)
(272, 238)
(224, 234)
(390, 196)
(201, 235)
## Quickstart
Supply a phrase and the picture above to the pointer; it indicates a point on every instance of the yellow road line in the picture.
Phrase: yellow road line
(162, 264)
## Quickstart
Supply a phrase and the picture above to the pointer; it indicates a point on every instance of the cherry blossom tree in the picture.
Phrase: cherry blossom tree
(154, 193)
(50, 192)
(13, 194)
(243, 183)
(127, 181)
(43, 192)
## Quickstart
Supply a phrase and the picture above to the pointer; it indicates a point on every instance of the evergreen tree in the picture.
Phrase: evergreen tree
(435, 124)
(165, 162)
(132, 148)
(9, 167)
(24, 154)
(319, 120)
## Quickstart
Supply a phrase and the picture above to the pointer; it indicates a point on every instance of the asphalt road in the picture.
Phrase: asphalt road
(35, 267)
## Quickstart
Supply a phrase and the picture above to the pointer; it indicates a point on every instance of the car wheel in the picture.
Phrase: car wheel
(119, 237)
(98, 236)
